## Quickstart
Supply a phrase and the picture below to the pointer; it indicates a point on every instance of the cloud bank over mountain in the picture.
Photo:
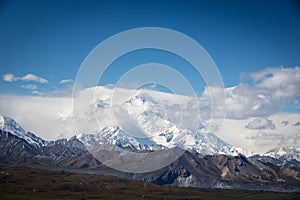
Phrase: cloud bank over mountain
(255, 109)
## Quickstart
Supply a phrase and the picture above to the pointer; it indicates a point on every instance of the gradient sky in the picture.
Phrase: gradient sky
(52, 38)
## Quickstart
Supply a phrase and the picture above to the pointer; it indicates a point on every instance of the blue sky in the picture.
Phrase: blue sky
(51, 38)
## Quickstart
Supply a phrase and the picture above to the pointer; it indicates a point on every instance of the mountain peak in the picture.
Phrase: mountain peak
(140, 98)
(287, 153)
(10, 125)
(7, 124)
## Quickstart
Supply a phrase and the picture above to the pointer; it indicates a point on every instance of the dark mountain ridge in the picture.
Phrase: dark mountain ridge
(190, 170)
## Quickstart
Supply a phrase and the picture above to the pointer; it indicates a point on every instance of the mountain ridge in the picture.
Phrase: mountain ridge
(115, 135)
(189, 170)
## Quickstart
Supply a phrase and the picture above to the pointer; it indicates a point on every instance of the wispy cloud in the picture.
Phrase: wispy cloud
(266, 136)
(32, 77)
(37, 92)
(263, 138)
(27, 77)
(29, 87)
(64, 81)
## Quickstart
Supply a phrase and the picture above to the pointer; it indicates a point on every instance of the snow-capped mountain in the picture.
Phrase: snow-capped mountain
(284, 153)
(151, 117)
(9, 125)
(114, 136)
(18, 147)
(137, 121)
(168, 137)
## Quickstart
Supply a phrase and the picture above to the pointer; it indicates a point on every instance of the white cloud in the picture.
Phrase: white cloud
(32, 77)
(27, 77)
(257, 105)
(270, 90)
(64, 81)
(29, 87)
(40, 115)
(242, 102)
(293, 141)
(9, 78)
(281, 83)
(261, 124)
(37, 92)
(55, 117)
(235, 133)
